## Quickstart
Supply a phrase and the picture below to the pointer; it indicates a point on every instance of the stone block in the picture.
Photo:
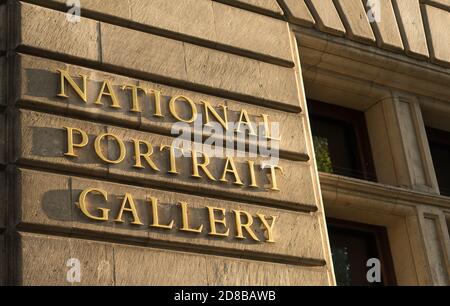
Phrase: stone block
(354, 16)
(43, 261)
(253, 32)
(438, 21)
(55, 205)
(47, 260)
(298, 12)
(410, 22)
(326, 16)
(42, 140)
(142, 52)
(62, 37)
(38, 86)
(386, 30)
(156, 57)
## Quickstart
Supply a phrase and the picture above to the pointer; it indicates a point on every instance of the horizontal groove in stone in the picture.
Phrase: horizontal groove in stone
(122, 264)
(159, 79)
(290, 196)
(120, 21)
(36, 90)
(53, 208)
(246, 5)
(126, 49)
(181, 247)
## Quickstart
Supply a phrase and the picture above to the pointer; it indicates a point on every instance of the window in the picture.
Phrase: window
(341, 141)
(352, 245)
(440, 152)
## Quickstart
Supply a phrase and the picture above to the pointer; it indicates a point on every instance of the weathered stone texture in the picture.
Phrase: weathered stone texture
(443, 3)
(439, 40)
(44, 261)
(42, 140)
(78, 39)
(159, 57)
(267, 5)
(409, 19)
(142, 52)
(250, 31)
(326, 16)
(387, 29)
(212, 21)
(176, 16)
(355, 17)
(38, 84)
(298, 12)
(55, 205)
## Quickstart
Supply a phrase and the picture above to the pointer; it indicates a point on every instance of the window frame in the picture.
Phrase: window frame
(439, 137)
(357, 121)
(382, 244)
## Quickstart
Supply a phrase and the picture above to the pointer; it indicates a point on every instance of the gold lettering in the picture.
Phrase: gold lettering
(251, 168)
(98, 148)
(233, 170)
(83, 204)
(196, 166)
(185, 220)
(213, 221)
(269, 228)
(128, 199)
(273, 176)
(173, 162)
(209, 109)
(146, 156)
(242, 117)
(71, 145)
(174, 112)
(157, 95)
(267, 128)
(65, 76)
(135, 106)
(247, 226)
(108, 91)
(154, 204)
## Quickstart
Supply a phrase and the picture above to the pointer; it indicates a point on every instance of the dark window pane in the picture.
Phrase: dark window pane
(440, 151)
(336, 146)
(352, 245)
(340, 141)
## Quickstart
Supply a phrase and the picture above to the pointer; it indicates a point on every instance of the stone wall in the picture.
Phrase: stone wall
(238, 54)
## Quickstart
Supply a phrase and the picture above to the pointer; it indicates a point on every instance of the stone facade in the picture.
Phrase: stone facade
(87, 111)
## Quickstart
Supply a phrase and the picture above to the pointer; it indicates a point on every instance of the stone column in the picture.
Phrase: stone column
(399, 143)
(437, 244)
